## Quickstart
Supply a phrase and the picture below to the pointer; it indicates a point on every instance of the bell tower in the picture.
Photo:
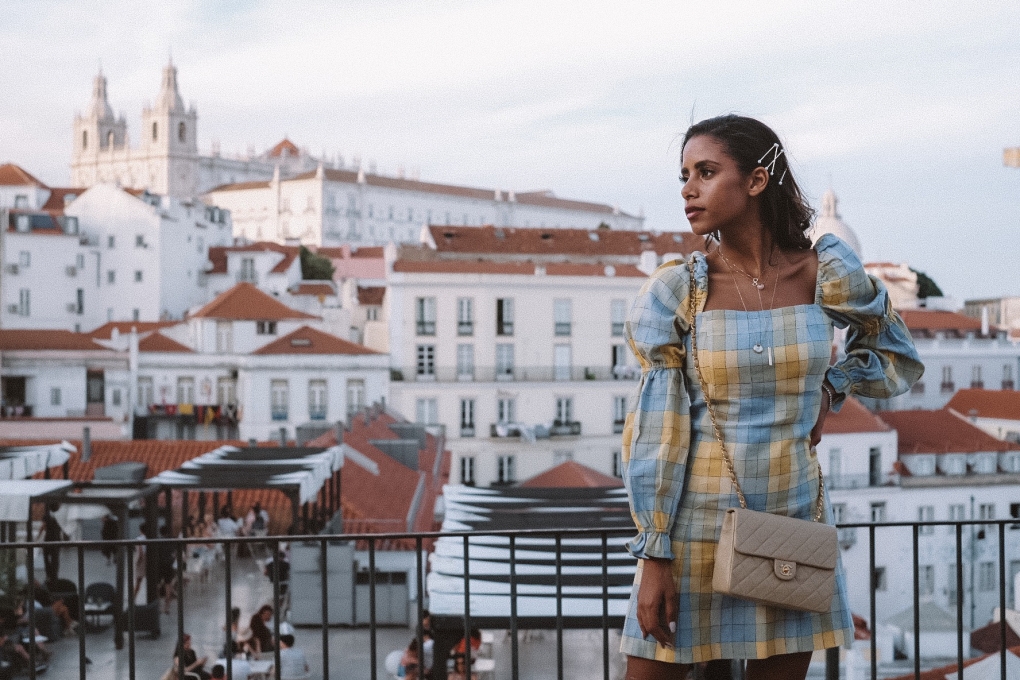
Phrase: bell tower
(169, 141)
(98, 137)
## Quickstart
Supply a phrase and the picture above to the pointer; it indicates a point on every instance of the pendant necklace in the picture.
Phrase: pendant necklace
(757, 281)
(758, 347)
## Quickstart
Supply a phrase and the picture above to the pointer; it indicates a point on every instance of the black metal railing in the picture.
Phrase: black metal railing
(599, 570)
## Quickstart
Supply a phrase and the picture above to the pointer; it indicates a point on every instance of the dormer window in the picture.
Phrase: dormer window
(265, 327)
(181, 132)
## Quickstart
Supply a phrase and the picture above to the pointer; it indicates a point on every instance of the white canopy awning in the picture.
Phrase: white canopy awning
(21, 462)
(16, 496)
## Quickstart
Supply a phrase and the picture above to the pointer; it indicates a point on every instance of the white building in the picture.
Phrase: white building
(957, 352)
(997, 412)
(947, 470)
(1003, 312)
(512, 340)
(149, 252)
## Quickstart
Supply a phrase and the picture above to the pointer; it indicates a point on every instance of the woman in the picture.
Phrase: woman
(188, 658)
(261, 638)
(765, 302)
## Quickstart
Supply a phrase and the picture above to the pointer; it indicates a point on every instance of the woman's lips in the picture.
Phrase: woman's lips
(694, 212)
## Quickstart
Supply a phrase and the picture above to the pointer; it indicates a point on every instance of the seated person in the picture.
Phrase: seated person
(409, 662)
(459, 671)
(261, 639)
(293, 664)
(240, 669)
(188, 658)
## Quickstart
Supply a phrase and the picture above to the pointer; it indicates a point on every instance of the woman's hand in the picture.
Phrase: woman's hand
(816, 431)
(657, 607)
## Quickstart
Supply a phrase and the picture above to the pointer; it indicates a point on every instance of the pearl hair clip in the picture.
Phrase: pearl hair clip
(776, 152)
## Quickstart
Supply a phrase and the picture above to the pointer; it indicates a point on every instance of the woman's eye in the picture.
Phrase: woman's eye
(706, 173)
(683, 180)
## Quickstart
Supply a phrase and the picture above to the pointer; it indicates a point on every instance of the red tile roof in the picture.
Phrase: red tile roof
(367, 251)
(307, 340)
(15, 175)
(240, 186)
(246, 302)
(321, 288)
(572, 474)
(929, 321)
(105, 332)
(218, 255)
(284, 147)
(157, 342)
(540, 241)
(1002, 404)
(853, 417)
(950, 671)
(462, 267)
(941, 431)
(56, 202)
(371, 295)
(47, 340)
(381, 503)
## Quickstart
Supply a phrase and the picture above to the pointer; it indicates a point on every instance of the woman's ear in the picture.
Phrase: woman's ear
(757, 181)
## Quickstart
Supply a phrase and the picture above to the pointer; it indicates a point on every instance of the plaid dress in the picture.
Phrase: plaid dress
(673, 466)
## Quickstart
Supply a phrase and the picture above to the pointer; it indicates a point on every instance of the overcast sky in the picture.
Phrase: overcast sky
(902, 107)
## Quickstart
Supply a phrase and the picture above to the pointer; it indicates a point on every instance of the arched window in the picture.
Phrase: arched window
(154, 131)
(84, 139)
(181, 132)
(109, 139)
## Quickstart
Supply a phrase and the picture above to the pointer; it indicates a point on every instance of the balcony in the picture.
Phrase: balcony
(247, 276)
(947, 387)
(465, 328)
(425, 328)
(278, 413)
(572, 584)
(450, 374)
(510, 430)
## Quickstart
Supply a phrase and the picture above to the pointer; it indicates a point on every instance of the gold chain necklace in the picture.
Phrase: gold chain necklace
(757, 347)
(758, 281)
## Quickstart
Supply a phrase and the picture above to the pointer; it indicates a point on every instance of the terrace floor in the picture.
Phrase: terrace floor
(348, 647)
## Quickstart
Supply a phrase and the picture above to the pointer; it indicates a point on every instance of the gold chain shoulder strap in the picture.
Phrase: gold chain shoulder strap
(692, 313)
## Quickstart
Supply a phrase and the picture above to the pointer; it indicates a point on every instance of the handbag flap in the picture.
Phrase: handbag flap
(763, 534)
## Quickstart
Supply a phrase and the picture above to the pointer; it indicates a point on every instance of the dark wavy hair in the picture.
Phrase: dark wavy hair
(784, 210)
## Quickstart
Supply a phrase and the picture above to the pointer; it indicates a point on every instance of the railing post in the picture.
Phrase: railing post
(832, 663)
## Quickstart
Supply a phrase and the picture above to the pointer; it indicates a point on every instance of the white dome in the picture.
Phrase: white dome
(828, 221)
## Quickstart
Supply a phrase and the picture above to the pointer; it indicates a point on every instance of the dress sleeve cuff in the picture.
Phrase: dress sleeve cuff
(841, 383)
(650, 544)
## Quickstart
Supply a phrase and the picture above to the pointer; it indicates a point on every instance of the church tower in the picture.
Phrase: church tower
(99, 137)
(169, 141)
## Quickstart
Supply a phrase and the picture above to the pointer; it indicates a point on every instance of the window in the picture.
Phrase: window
(224, 336)
(145, 392)
(182, 132)
(226, 391)
(617, 464)
(986, 576)
(835, 471)
(561, 317)
(265, 328)
(619, 413)
(247, 273)
(24, 258)
(564, 410)
(111, 276)
(54, 396)
(426, 355)
(951, 589)
(467, 417)
(427, 411)
(505, 316)
(139, 240)
(561, 362)
(185, 390)
(79, 261)
(84, 139)
(506, 410)
(975, 378)
(504, 361)
(465, 362)
(986, 511)
(115, 397)
(371, 313)
(425, 315)
(917, 388)
(138, 276)
(355, 397)
(878, 512)
(947, 379)
(317, 399)
(878, 580)
(926, 513)
(619, 357)
(957, 513)
(155, 130)
(467, 470)
(24, 302)
(838, 513)
(875, 466)
(562, 456)
(618, 316)
(1007, 377)
(111, 241)
(465, 316)
(79, 299)
(926, 579)
(279, 398)
(506, 469)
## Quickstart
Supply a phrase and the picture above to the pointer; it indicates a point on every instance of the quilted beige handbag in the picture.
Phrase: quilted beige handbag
(772, 559)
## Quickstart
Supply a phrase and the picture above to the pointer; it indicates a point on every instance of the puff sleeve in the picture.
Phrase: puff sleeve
(657, 433)
(880, 359)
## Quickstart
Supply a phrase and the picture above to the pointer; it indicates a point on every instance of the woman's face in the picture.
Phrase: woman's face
(716, 193)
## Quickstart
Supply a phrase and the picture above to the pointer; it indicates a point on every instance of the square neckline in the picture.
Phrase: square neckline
(817, 301)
